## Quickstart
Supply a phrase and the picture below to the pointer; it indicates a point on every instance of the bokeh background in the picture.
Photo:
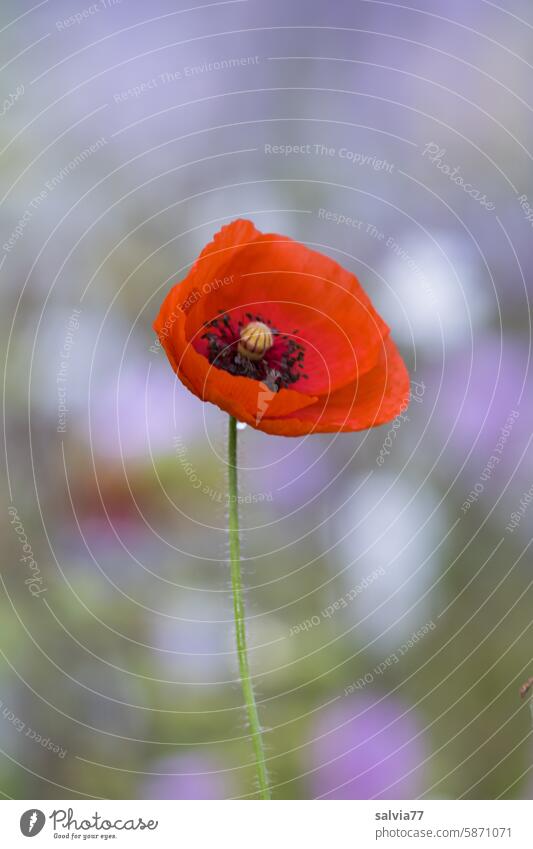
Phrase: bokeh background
(388, 573)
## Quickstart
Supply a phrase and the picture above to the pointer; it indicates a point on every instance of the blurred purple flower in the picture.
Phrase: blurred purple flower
(363, 749)
(197, 644)
(391, 523)
(114, 547)
(481, 396)
(188, 776)
(294, 471)
(140, 413)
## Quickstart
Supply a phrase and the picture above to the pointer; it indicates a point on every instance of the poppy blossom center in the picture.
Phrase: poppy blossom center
(254, 348)
(256, 339)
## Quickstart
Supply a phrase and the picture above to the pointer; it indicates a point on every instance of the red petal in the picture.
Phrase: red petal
(376, 398)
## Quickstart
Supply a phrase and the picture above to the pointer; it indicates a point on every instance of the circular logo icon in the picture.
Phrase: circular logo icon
(32, 822)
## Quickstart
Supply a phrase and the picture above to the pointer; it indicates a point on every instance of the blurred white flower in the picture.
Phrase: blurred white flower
(438, 293)
(398, 530)
(197, 645)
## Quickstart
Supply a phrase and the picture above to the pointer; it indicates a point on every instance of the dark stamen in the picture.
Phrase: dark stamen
(277, 369)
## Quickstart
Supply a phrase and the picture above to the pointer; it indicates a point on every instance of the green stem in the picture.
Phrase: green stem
(238, 610)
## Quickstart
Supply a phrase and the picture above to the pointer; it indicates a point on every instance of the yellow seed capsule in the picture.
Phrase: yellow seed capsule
(256, 339)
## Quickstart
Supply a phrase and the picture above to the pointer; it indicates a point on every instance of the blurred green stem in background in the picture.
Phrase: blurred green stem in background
(238, 609)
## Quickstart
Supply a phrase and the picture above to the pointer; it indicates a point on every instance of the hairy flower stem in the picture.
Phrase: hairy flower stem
(238, 610)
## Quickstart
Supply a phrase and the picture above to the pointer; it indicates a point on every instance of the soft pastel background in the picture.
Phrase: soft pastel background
(125, 660)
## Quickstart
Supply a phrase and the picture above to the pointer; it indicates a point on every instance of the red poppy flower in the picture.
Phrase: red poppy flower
(281, 337)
